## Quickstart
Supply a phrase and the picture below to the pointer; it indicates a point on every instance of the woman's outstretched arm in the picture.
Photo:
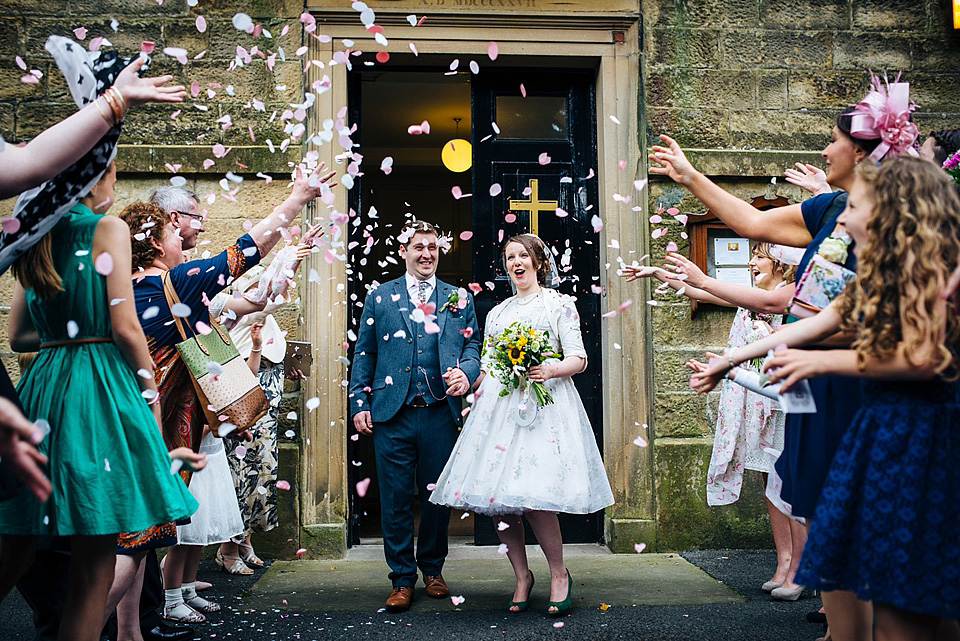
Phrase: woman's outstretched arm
(781, 225)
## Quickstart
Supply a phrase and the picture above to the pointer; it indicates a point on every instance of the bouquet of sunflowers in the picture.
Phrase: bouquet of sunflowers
(518, 348)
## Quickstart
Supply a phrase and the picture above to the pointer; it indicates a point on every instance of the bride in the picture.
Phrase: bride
(508, 465)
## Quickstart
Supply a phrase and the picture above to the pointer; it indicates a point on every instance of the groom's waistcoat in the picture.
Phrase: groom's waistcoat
(425, 380)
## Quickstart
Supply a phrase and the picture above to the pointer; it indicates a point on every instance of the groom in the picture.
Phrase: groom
(409, 373)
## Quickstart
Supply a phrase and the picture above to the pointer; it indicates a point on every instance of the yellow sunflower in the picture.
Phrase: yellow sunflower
(516, 355)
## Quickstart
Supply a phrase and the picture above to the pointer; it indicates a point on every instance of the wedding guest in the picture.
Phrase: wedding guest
(52, 152)
(158, 254)
(552, 465)
(749, 426)
(74, 304)
(183, 207)
(885, 527)
(261, 292)
(940, 145)
(414, 418)
(811, 439)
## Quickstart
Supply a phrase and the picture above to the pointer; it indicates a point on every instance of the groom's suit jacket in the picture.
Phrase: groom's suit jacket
(384, 355)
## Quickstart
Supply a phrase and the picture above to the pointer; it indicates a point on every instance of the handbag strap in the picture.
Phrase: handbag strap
(172, 299)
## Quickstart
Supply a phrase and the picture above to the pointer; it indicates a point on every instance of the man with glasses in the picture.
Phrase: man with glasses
(184, 209)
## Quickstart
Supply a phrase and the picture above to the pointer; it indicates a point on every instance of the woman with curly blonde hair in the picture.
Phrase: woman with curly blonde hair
(885, 526)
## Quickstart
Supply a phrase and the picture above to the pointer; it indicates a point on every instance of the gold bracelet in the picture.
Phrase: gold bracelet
(120, 99)
(96, 101)
(114, 105)
(109, 101)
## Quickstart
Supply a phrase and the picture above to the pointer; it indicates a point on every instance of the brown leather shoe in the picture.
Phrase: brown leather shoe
(436, 586)
(400, 599)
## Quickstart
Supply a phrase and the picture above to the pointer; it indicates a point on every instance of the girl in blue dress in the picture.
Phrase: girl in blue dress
(885, 526)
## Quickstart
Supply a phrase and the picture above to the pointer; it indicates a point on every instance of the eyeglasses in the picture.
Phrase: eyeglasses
(185, 213)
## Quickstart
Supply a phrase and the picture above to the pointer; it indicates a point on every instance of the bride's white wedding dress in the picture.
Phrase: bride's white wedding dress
(553, 464)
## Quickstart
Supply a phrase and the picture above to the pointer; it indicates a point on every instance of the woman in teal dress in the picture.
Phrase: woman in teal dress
(92, 383)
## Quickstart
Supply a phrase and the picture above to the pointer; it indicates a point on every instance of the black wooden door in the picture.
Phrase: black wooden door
(535, 159)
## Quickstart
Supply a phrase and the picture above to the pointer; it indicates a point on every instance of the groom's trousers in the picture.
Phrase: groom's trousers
(411, 451)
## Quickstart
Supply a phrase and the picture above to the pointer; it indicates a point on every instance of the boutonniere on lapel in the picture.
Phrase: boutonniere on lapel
(456, 301)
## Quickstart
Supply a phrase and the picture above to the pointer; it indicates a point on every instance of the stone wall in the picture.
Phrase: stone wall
(751, 86)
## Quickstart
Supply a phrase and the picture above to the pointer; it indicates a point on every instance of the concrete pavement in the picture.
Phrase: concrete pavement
(695, 595)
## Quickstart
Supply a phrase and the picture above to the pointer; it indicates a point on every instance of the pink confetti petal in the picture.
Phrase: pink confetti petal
(639, 184)
(414, 130)
(495, 189)
(558, 624)
(466, 235)
(671, 246)
(544, 159)
(382, 57)
(10, 225)
(147, 47)
(362, 487)
(413, 48)
(201, 24)
(493, 50)
(20, 63)
(219, 150)
(103, 264)
(95, 44)
(640, 442)
(624, 305)
(639, 547)
(457, 192)
(283, 485)
(203, 329)
(523, 90)
(80, 33)
(301, 552)
(562, 213)
(425, 127)
(431, 487)
(457, 600)
(29, 79)
(510, 218)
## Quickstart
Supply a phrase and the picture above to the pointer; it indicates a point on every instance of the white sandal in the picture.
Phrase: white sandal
(232, 564)
(249, 556)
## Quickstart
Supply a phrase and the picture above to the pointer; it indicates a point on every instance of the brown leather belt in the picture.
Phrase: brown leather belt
(77, 341)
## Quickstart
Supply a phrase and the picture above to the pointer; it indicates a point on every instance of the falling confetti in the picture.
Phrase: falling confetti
(283, 485)
(639, 547)
(362, 487)
(457, 600)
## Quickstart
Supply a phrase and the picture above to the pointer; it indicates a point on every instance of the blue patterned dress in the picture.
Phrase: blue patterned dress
(887, 523)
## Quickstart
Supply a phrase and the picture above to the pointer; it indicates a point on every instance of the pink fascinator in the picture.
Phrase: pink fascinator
(884, 113)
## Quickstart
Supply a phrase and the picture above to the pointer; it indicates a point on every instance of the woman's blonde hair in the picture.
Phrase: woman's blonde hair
(147, 222)
(913, 245)
(34, 268)
(789, 271)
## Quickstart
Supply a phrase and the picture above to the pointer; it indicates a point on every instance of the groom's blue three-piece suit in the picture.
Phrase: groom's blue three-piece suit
(396, 375)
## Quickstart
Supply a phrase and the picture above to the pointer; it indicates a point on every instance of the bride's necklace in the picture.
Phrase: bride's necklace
(529, 298)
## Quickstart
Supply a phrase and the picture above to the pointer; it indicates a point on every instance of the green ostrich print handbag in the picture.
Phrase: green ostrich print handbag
(229, 392)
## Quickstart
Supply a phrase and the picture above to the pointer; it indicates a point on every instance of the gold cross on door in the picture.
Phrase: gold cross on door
(534, 205)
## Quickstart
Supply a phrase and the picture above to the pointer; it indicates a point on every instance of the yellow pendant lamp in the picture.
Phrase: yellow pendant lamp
(457, 154)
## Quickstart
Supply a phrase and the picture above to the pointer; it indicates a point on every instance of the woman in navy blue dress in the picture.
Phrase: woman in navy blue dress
(885, 526)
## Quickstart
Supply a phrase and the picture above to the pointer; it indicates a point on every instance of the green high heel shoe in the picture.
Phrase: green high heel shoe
(523, 605)
(562, 607)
